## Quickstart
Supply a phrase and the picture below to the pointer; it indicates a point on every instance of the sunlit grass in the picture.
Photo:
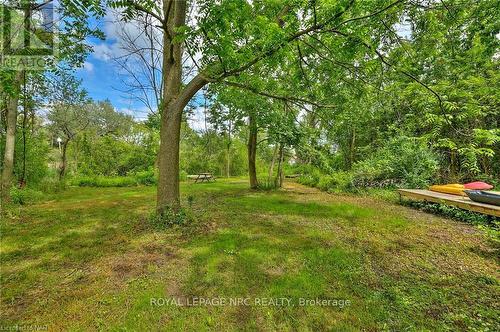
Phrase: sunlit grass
(87, 259)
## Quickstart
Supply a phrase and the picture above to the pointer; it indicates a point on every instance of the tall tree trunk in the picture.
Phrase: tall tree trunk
(273, 161)
(172, 106)
(279, 176)
(168, 161)
(228, 152)
(22, 181)
(167, 195)
(252, 152)
(26, 107)
(10, 137)
(62, 169)
(171, 114)
(228, 160)
(352, 147)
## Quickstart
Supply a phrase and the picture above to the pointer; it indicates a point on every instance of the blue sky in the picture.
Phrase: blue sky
(101, 77)
(101, 80)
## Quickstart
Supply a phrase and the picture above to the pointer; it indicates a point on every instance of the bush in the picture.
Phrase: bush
(336, 182)
(402, 162)
(324, 182)
(267, 184)
(170, 218)
(474, 218)
(52, 185)
(183, 175)
(25, 195)
(310, 175)
(102, 181)
(146, 178)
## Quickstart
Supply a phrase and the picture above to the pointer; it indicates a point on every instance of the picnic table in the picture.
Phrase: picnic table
(204, 177)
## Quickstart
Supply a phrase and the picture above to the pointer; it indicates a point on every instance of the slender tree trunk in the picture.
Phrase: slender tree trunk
(273, 161)
(228, 160)
(26, 107)
(352, 147)
(62, 169)
(252, 152)
(22, 181)
(228, 152)
(279, 176)
(10, 137)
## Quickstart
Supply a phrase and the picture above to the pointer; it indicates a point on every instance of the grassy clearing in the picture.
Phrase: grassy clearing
(86, 259)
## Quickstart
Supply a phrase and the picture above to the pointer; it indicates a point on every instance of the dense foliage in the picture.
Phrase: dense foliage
(379, 94)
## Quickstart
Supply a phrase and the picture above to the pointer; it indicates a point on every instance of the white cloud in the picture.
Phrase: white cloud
(88, 66)
(197, 120)
(102, 52)
(116, 32)
(138, 113)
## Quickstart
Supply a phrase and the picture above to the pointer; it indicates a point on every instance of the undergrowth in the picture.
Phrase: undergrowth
(490, 224)
(170, 218)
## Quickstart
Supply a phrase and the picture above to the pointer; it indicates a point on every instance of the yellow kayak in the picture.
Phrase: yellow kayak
(453, 189)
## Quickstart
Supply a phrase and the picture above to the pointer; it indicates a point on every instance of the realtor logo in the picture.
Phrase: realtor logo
(28, 34)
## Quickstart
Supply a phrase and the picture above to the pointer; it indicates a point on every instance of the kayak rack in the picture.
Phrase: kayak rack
(459, 201)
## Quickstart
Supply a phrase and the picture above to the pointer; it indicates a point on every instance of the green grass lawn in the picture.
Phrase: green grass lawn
(88, 259)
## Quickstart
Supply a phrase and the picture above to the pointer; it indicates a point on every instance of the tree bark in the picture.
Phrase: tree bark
(10, 137)
(228, 152)
(228, 160)
(279, 176)
(22, 181)
(172, 106)
(352, 147)
(171, 113)
(168, 161)
(62, 169)
(26, 107)
(273, 161)
(252, 152)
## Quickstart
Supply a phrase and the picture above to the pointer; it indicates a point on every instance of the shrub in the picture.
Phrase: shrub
(337, 181)
(310, 175)
(325, 182)
(267, 184)
(308, 180)
(102, 181)
(403, 161)
(146, 178)
(52, 185)
(183, 175)
(171, 218)
(456, 213)
(25, 195)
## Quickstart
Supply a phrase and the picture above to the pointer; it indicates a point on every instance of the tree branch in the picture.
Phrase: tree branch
(273, 96)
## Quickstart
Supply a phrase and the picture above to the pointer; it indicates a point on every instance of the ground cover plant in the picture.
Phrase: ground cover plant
(87, 259)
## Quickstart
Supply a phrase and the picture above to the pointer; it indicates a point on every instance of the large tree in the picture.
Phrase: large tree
(227, 39)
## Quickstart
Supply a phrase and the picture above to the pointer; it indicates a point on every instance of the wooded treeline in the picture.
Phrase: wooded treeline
(350, 94)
